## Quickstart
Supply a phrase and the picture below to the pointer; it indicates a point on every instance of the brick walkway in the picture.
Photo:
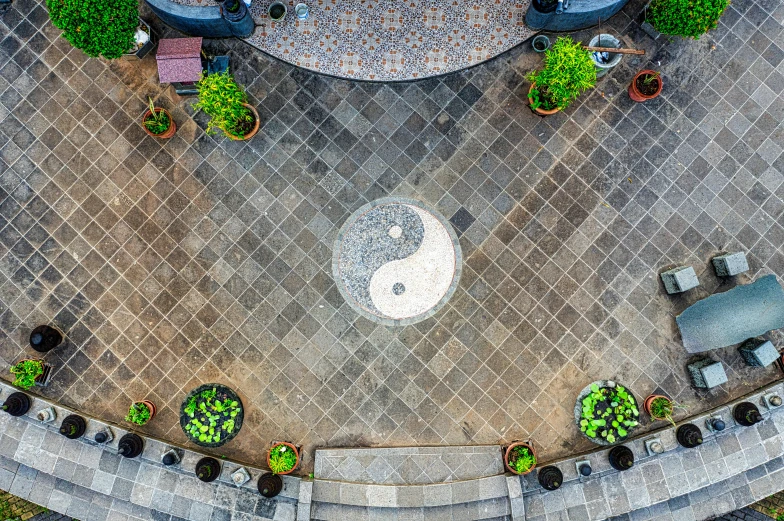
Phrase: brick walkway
(203, 259)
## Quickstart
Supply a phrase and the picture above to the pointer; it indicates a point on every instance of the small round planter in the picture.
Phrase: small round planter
(269, 485)
(508, 454)
(638, 95)
(73, 426)
(291, 447)
(649, 401)
(17, 404)
(45, 338)
(541, 112)
(540, 43)
(222, 394)
(605, 40)
(255, 126)
(169, 131)
(130, 446)
(42, 380)
(208, 469)
(277, 11)
(604, 386)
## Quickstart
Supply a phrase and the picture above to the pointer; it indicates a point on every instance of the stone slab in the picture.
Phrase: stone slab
(730, 264)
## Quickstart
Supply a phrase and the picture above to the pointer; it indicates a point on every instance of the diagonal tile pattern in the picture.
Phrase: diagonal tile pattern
(200, 259)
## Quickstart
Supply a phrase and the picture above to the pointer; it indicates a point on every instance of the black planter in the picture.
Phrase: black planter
(689, 435)
(621, 458)
(208, 469)
(73, 426)
(45, 338)
(716, 424)
(270, 485)
(170, 458)
(550, 477)
(585, 469)
(747, 414)
(130, 445)
(147, 47)
(17, 404)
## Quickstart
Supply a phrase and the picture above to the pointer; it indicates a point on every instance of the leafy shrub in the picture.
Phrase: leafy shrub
(211, 416)
(98, 27)
(139, 413)
(687, 18)
(222, 100)
(609, 413)
(26, 371)
(282, 458)
(568, 71)
(521, 459)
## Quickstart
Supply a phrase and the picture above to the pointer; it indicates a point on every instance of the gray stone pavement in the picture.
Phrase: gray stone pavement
(199, 259)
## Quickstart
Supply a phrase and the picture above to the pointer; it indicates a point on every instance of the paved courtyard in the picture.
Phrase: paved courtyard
(201, 259)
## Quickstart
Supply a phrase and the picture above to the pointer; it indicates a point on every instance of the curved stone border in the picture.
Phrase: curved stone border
(336, 251)
(203, 21)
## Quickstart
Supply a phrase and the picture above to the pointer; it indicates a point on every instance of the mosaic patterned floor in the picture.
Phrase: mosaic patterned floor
(390, 39)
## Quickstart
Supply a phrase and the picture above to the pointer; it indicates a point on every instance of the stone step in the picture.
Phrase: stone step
(488, 510)
(409, 465)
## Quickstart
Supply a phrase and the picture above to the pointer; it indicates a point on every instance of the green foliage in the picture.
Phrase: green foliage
(222, 100)
(568, 71)
(158, 121)
(521, 459)
(139, 413)
(609, 413)
(687, 18)
(98, 27)
(210, 417)
(282, 458)
(26, 371)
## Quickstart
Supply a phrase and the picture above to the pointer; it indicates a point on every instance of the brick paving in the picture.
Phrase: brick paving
(201, 259)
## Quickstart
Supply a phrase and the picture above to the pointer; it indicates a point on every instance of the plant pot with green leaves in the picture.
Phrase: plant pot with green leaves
(520, 457)
(606, 413)
(98, 27)
(158, 122)
(211, 415)
(225, 102)
(30, 372)
(282, 458)
(141, 412)
(143, 40)
(568, 71)
(660, 407)
(686, 18)
(645, 86)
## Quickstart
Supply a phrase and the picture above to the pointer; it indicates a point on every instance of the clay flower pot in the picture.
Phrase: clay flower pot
(649, 401)
(508, 453)
(290, 446)
(255, 126)
(541, 112)
(639, 95)
(172, 125)
(151, 407)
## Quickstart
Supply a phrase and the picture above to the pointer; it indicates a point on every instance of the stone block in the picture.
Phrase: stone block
(730, 264)
(757, 352)
(680, 279)
(707, 373)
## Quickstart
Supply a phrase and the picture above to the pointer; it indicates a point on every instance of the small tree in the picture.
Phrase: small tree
(97, 27)
(687, 18)
(568, 71)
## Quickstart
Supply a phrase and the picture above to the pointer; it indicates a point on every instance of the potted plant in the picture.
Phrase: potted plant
(661, 408)
(568, 71)
(687, 18)
(141, 412)
(282, 458)
(73, 426)
(520, 457)
(208, 469)
(646, 85)
(158, 122)
(606, 412)
(98, 27)
(227, 106)
(211, 415)
(30, 372)
(143, 40)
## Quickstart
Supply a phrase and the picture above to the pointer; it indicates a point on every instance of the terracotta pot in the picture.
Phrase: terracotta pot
(638, 96)
(529, 446)
(151, 407)
(541, 112)
(649, 401)
(292, 447)
(169, 132)
(255, 127)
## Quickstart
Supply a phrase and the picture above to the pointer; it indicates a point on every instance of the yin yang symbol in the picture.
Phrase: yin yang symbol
(396, 262)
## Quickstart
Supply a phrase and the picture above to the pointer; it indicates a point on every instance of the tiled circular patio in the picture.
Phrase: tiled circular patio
(175, 263)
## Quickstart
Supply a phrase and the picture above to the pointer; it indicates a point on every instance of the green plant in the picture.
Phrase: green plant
(687, 18)
(98, 27)
(139, 413)
(26, 372)
(609, 413)
(222, 100)
(650, 78)
(282, 458)
(210, 416)
(568, 71)
(521, 459)
(157, 121)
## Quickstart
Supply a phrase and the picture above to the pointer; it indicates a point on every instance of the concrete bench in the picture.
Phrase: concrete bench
(730, 264)
(680, 279)
(758, 352)
(706, 373)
